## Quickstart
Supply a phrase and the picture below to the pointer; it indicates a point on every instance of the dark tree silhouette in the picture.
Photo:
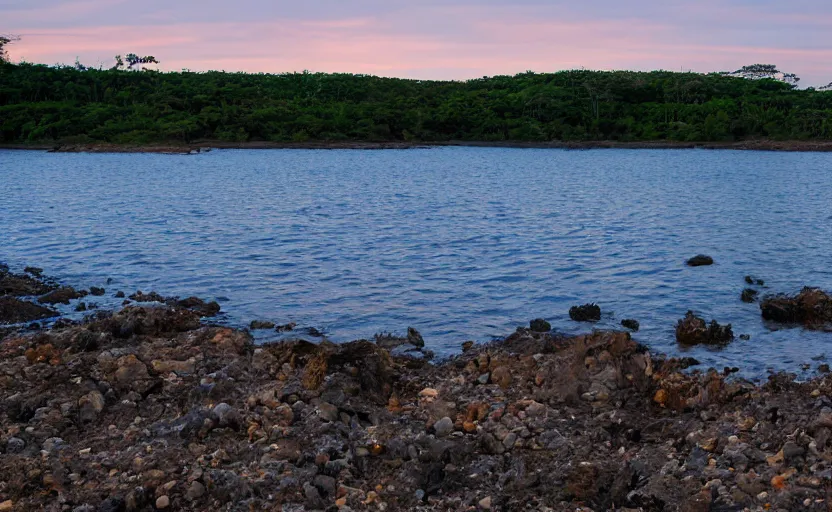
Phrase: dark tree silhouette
(5, 41)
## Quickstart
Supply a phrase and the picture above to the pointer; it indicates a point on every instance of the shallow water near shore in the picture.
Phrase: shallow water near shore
(460, 243)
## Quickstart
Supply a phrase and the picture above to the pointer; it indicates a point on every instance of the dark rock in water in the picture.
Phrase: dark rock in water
(751, 280)
(22, 285)
(631, 324)
(81, 307)
(258, 324)
(693, 330)
(749, 295)
(586, 313)
(62, 296)
(198, 305)
(98, 292)
(119, 295)
(148, 321)
(468, 345)
(286, 327)
(35, 271)
(315, 333)
(700, 260)
(15, 311)
(140, 296)
(811, 307)
(745, 337)
(540, 325)
(414, 338)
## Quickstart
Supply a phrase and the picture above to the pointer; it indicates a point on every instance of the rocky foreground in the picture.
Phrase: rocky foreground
(148, 408)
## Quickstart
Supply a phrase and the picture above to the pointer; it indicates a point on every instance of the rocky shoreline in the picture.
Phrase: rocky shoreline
(201, 146)
(152, 408)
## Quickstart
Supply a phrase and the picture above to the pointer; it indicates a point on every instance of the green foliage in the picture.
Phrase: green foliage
(43, 103)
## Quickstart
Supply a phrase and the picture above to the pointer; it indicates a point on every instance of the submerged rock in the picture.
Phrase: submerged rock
(286, 327)
(811, 307)
(586, 313)
(693, 330)
(700, 260)
(752, 280)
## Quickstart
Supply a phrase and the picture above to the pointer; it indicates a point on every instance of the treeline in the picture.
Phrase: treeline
(44, 103)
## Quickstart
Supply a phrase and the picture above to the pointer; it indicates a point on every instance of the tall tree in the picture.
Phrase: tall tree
(5, 41)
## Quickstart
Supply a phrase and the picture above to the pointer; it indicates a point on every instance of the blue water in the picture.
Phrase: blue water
(460, 243)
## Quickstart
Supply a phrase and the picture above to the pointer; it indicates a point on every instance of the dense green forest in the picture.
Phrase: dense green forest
(41, 103)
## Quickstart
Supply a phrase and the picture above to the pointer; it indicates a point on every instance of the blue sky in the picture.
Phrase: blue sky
(451, 39)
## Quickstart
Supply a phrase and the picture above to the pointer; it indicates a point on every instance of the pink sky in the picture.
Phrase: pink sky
(432, 39)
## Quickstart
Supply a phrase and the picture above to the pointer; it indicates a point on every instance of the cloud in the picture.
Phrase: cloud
(455, 39)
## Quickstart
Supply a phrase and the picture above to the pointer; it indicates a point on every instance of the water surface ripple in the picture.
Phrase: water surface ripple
(461, 243)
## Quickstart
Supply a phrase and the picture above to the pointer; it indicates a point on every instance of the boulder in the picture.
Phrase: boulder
(586, 313)
(693, 330)
(700, 260)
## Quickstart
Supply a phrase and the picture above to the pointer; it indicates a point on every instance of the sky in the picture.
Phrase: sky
(429, 39)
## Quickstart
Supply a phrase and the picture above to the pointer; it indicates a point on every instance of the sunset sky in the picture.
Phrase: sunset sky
(430, 39)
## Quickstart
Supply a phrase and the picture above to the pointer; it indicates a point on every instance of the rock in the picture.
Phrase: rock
(586, 313)
(501, 376)
(631, 324)
(81, 307)
(286, 327)
(199, 306)
(15, 445)
(97, 292)
(35, 271)
(811, 307)
(792, 451)
(61, 296)
(313, 497)
(540, 325)
(6, 506)
(195, 491)
(162, 502)
(468, 345)
(131, 374)
(258, 324)
(227, 416)
(692, 330)
(414, 338)
(119, 294)
(484, 378)
(444, 427)
(700, 260)
(749, 295)
(485, 503)
(327, 412)
(16, 311)
(325, 484)
(90, 406)
(751, 280)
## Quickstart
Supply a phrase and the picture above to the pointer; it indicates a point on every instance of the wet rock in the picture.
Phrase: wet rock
(585, 313)
(81, 307)
(15, 311)
(749, 295)
(119, 294)
(286, 327)
(61, 296)
(199, 306)
(414, 338)
(693, 330)
(467, 345)
(811, 307)
(35, 271)
(540, 325)
(751, 280)
(97, 292)
(258, 324)
(18, 285)
(631, 324)
(700, 260)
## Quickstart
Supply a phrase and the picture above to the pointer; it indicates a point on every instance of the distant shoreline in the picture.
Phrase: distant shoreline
(195, 147)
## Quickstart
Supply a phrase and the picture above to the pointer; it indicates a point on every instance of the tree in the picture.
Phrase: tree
(5, 40)
(765, 71)
(133, 62)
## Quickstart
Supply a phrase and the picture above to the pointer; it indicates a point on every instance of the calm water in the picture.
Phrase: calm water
(461, 243)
